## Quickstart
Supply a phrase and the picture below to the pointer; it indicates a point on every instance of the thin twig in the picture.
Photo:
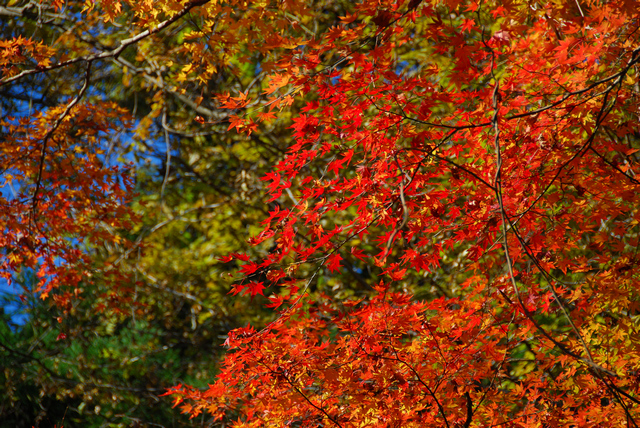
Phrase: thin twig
(48, 136)
(405, 211)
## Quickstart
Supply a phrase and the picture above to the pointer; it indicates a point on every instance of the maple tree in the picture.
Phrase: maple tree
(451, 238)
(497, 138)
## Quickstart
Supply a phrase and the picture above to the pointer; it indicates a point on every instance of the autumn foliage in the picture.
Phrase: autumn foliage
(482, 151)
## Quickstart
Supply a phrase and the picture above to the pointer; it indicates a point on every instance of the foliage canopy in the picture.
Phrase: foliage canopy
(440, 198)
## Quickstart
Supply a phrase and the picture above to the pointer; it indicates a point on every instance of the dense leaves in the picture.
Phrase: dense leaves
(495, 140)
(449, 229)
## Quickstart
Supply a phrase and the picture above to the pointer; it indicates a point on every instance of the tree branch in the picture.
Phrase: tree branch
(114, 53)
